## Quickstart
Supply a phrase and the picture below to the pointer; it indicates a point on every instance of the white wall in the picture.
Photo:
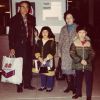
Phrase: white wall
(48, 13)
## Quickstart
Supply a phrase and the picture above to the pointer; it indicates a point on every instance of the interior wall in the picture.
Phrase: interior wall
(48, 13)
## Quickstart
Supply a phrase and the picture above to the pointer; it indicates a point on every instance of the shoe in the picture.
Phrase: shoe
(73, 91)
(88, 98)
(49, 90)
(76, 96)
(29, 87)
(67, 90)
(19, 89)
(41, 88)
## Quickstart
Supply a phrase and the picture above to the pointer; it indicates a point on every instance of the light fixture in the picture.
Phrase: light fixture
(2, 5)
(69, 1)
(7, 12)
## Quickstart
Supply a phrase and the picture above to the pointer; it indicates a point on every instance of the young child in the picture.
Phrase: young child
(82, 54)
(45, 52)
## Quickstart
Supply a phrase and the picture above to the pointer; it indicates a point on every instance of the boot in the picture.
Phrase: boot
(67, 90)
(19, 88)
(71, 86)
(88, 98)
(68, 82)
(76, 96)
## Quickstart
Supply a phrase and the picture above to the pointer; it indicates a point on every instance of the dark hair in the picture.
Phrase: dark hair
(36, 30)
(50, 33)
(81, 27)
(27, 2)
(68, 12)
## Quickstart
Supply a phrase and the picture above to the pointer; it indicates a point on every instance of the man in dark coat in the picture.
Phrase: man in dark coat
(21, 41)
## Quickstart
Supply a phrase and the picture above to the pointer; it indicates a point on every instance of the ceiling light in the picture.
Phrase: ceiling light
(2, 5)
(69, 1)
(7, 12)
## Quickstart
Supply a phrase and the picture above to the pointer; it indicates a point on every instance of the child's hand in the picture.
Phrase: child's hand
(45, 59)
(83, 62)
(40, 59)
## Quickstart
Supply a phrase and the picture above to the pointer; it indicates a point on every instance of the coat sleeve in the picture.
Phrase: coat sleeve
(34, 22)
(90, 55)
(11, 35)
(60, 43)
(37, 50)
(74, 55)
(52, 50)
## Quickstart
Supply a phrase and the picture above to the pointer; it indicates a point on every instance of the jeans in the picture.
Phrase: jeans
(47, 81)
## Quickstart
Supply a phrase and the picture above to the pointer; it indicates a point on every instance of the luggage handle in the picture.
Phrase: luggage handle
(13, 56)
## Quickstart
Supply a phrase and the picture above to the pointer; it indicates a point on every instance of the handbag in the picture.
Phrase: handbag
(43, 69)
(36, 64)
(12, 70)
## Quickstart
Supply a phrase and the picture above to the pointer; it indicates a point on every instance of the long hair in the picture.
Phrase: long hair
(50, 33)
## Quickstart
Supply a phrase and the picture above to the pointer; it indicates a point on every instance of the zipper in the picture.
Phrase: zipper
(83, 58)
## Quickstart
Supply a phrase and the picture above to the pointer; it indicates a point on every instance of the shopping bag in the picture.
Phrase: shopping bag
(35, 68)
(12, 70)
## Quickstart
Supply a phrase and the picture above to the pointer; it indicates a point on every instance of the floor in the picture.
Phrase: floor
(8, 91)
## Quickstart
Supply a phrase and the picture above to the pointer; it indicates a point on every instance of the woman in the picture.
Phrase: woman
(65, 39)
(82, 54)
(45, 52)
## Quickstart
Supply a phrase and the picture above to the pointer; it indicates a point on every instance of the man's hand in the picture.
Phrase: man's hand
(12, 52)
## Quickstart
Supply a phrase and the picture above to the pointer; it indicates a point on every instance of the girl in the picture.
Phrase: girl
(45, 52)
